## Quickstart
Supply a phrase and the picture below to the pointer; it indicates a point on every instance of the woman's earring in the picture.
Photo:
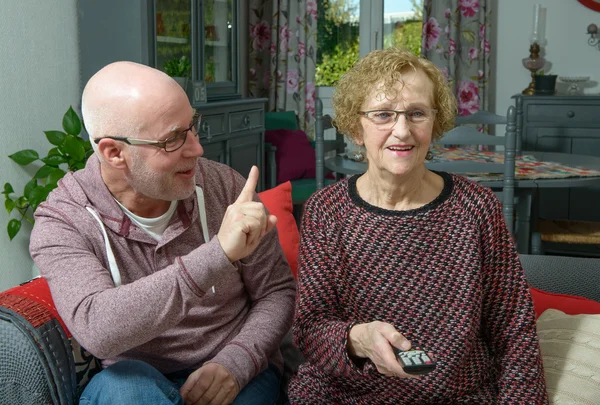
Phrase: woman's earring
(429, 155)
(357, 156)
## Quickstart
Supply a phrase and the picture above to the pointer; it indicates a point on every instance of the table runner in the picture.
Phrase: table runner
(527, 167)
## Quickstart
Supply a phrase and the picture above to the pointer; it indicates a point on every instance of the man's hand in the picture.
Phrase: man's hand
(211, 384)
(374, 340)
(245, 222)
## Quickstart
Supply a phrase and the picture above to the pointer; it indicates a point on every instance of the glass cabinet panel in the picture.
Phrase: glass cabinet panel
(203, 33)
(218, 40)
(174, 37)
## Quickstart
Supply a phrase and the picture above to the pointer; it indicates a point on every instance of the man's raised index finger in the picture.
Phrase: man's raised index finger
(249, 189)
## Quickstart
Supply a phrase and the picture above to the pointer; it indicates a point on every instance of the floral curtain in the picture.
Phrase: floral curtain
(282, 56)
(456, 38)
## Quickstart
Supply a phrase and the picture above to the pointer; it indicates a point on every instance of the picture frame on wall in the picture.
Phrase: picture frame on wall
(197, 92)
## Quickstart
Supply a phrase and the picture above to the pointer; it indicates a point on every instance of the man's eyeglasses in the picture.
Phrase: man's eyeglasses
(171, 144)
(386, 119)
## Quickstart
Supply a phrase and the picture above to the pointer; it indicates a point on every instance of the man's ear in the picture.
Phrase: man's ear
(112, 153)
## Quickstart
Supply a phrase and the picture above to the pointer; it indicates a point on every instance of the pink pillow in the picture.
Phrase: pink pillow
(278, 201)
(569, 304)
(295, 158)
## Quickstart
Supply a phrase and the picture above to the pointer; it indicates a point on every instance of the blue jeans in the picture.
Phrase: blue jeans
(136, 382)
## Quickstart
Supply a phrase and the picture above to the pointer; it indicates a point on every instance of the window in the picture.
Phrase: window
(349, 29)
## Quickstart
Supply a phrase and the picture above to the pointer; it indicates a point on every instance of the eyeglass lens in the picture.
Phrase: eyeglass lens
(176, 141)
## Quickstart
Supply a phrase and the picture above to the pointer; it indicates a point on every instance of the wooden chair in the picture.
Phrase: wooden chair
(562, 231)
(469, 135)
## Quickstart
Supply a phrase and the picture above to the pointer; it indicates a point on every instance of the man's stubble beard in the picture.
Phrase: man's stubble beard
(158, 185)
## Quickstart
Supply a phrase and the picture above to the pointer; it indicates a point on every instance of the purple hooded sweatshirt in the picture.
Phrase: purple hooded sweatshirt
(165, 311)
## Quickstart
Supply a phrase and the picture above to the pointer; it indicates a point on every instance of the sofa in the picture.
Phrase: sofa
(42, 364)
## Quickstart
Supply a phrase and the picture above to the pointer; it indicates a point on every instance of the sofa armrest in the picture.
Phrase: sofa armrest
(578, 276)
(37, 361)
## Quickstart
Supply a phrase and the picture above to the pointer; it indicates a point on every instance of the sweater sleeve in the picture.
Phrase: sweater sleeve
(271, 289)
(508, 315)
(320, 327)
(89, 303)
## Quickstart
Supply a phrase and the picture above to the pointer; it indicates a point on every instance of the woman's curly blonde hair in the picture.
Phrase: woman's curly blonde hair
(385, 66)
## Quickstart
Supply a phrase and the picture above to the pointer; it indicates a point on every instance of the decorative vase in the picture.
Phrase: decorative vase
(545, 84)
(182, 81)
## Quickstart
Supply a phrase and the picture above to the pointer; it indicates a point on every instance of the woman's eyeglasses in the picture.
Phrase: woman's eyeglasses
(171, 144)
(386, 119)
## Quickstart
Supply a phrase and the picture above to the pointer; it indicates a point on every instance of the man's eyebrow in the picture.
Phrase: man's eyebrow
(177, 128)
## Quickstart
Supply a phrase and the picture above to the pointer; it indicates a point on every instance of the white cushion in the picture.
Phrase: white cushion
(570, 347)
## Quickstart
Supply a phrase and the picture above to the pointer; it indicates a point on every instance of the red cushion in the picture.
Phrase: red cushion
(569, 304)
(294, 157)
(278, 201)
(33, 301)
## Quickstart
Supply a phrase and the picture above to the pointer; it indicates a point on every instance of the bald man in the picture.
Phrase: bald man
(161, 263)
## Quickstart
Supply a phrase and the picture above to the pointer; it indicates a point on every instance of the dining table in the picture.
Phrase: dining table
(534, 170)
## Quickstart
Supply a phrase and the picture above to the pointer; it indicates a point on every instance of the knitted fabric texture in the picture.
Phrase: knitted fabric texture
(446, 275)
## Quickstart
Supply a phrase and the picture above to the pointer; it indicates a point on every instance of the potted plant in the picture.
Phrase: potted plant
(544, 83)
(178, 69)
(70, 152)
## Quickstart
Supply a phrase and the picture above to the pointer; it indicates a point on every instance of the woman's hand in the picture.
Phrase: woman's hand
(374, 340)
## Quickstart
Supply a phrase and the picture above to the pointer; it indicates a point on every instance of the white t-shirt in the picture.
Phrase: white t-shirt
(152, 226)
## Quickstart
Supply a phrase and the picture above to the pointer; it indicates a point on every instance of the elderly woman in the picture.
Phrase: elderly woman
(402, 257)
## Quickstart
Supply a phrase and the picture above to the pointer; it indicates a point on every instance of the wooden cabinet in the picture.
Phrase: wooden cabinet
(232, 132)
(567, 124)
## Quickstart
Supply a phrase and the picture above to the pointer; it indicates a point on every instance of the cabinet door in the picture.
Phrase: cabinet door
(219, 57)
(245, 151)
(215, 151)
(554, 203)
(584, 203)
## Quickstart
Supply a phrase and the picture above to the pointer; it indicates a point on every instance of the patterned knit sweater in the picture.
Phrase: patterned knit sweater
(446, 275)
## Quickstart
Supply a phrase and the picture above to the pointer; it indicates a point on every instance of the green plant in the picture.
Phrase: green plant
(70, 151)
(177, 67)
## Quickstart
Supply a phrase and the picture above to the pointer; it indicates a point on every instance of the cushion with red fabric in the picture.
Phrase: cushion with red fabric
(569, 304)
(32, 300)
(295, 157)
(278, 201)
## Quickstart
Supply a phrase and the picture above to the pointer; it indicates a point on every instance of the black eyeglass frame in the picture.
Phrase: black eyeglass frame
(196, 119)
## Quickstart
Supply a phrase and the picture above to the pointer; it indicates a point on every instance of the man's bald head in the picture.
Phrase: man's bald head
(120, 98)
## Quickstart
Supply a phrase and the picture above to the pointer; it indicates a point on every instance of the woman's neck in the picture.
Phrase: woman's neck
(400, 193)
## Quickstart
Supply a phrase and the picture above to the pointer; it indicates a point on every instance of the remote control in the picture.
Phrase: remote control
(415, 361)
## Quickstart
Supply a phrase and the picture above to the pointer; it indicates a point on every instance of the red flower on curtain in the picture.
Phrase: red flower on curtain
(473, 53)
(284, 37)
(431, 33)
(468, 8)
(301, 49)
(311, 8)
(468, 98)
(485, 47)
(292, 81)
(451, 47)
(310, 91)
(261, 35)
(466, 48)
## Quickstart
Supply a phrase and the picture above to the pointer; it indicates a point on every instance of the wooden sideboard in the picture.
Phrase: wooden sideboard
(232, 132)
(567, 124)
